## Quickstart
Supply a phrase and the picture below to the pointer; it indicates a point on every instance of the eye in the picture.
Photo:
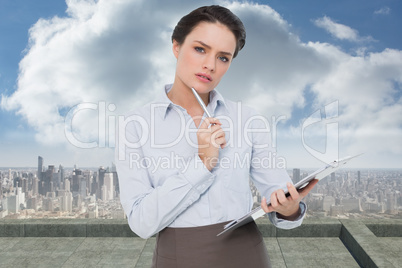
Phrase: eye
(224, 59)
(199, 49)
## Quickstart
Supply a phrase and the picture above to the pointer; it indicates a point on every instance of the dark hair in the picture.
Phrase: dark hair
(211, 14)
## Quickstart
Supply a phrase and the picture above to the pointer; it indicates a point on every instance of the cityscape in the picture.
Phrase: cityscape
(58, 192)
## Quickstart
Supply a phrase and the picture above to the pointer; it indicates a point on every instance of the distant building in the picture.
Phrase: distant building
(327, 203)
(118, 214)
(32, 203)
(16, 201)
(351, 205)
(66, 202)
(358, 177)
(48, 204)
(77, 178)
(93, 212)
(392, 207)
(296, 175)
(67, 186)
(40, 167)
(336, 210)
(83, 188)
(109, 187)
(35, 186)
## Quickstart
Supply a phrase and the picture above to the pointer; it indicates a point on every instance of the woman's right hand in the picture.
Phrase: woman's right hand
(210, 137)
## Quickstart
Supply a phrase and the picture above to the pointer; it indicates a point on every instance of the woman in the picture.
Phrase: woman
(183, 176)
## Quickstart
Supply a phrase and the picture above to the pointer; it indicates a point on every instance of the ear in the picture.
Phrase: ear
(176, 48)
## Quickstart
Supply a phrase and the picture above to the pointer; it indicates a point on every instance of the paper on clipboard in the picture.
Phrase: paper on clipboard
(318, 174)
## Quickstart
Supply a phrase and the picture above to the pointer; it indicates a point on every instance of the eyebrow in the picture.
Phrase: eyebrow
(209, 47)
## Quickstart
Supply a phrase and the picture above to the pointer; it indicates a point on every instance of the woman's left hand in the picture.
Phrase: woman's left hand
(287, 207)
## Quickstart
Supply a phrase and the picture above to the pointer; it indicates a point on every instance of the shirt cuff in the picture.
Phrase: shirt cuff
(285, 224)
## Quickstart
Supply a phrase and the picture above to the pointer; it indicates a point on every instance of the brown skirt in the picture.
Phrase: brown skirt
(200, 247)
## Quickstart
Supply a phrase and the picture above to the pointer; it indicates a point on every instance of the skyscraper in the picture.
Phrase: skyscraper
(47, 178)
(67, 185)
(40, 167)
(358, 177)
(66, 202)
(108, 183)
(35, 186)
(61, 171)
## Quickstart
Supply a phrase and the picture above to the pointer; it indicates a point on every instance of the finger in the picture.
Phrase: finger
(215, 121)
(264, 205)
(303, 192)
(216, 129)
(274, 201)
(294, 194)
(223, 145)
(218, 138)
(280, 194)
(219, 142)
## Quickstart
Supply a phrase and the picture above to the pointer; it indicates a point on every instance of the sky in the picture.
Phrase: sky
(327, 75)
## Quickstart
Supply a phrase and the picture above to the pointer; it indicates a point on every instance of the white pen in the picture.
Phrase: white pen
(201, 102)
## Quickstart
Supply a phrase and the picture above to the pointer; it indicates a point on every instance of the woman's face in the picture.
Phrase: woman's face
(204, 57)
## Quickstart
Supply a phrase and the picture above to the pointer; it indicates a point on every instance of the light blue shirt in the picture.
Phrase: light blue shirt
(163, 182)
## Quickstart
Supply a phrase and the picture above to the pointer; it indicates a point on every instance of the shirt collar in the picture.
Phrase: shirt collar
(164, 104)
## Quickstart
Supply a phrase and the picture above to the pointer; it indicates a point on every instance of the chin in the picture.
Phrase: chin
(203, 90)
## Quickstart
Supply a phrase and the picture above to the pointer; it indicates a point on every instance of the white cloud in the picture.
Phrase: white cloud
(102, 52)
(383, 11)
(340, 31)
(278, 65)
(120, 52)
(369, 92)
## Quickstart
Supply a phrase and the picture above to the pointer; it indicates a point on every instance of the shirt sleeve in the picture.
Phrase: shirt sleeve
(149, 209)
(268, 170)
(285, 224)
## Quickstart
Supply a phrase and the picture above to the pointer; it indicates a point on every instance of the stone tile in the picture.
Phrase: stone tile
(386, 229)
(55, 230)
(329, 229)
(266, 228)
(13, 229)
(6, 261)
(145, 259)
(126, 252)
(135, 244)
(84, 258)
(45, 261)
(97, 244)
(66, 244)
(113, 248)
(361, 242)
(2, 228)
(7, 243)
(109, 229)
(315, 252)
(390, 254)
(124, 257)
(274, 252)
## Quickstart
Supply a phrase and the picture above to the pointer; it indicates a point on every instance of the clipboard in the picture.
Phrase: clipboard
(318, 174)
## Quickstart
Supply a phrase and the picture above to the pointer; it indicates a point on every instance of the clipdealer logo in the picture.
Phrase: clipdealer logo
(108, 126)
(331, 137)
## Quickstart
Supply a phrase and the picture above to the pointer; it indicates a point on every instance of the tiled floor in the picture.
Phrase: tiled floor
(314, 252)
(136, 252)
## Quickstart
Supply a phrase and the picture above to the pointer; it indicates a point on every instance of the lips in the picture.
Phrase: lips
(204, 76)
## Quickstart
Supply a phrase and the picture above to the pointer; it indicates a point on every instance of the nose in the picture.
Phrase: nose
(209, 63)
